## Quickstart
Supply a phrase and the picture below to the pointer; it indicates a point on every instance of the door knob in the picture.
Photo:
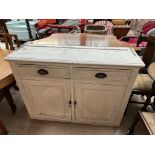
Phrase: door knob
(42, 71)
(101, 75)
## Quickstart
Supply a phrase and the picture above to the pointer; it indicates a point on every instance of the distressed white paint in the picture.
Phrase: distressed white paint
(71, 77)
(78, 55)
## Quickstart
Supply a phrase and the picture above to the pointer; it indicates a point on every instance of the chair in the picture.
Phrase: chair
(149, 51)
(3, 28)
(8, 39)
(147, 30)
(149, 92)
(151, 32)
(148, 119)
(143, 83)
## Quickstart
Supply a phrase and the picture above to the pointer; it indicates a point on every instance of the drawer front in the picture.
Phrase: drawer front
(105, 75)
(31, 71)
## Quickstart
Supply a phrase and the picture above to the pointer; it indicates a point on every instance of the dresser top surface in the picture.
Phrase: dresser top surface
(78, 55)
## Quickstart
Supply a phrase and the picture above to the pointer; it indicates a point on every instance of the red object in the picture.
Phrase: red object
(134, 41)
(148, 26)
(47, 24)
(83, 21)
(145, 29)
(43, 23)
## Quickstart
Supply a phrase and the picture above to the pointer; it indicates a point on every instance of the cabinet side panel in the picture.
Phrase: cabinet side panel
(126, 96)
(21, 88)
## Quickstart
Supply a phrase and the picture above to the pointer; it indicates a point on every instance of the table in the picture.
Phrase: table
(83, 39)
(6, 75)
(6, 79)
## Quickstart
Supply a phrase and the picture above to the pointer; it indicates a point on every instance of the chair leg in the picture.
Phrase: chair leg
(132, 127)
(153, 104)
(144, 108)
(10, 100)
(15, 86)
(3, 128)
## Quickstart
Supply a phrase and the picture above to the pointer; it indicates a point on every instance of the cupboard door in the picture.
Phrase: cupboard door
(49, 99)
(98, 104)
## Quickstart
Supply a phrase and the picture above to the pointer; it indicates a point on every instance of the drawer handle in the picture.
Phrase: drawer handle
(101, 75)
(42, 72)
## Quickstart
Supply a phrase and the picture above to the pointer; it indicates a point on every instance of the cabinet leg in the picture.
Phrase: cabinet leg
(2, 127)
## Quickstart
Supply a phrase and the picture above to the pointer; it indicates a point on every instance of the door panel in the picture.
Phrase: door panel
(97, 103)
(49, 98)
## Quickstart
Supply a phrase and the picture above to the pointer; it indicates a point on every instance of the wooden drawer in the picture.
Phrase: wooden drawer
(105, 75)
(31, 71)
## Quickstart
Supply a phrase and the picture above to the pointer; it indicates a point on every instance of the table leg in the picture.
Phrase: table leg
(3, 128)
(10, 100)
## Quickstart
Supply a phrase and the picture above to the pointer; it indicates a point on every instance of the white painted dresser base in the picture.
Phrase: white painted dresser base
(98, 101)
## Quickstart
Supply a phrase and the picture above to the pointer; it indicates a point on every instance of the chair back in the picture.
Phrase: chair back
(148, 26)
(8, 39)
(149, 50)
(151, 32)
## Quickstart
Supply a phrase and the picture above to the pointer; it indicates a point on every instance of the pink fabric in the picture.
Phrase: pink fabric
(108, 24)
(134, 41)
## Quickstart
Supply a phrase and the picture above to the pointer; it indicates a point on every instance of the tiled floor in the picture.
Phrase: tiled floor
(21, 124)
